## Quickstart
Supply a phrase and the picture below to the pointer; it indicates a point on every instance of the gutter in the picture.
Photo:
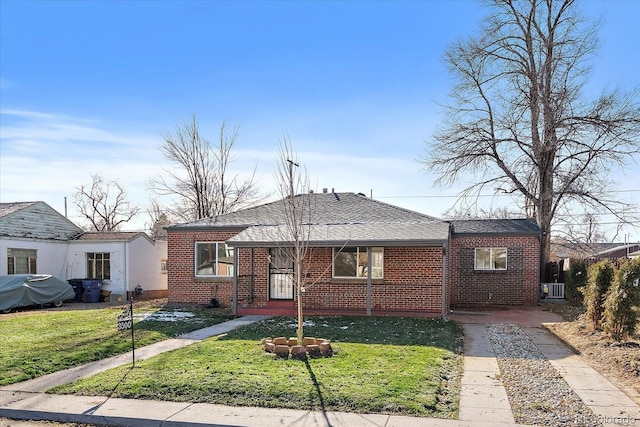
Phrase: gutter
(338, 244)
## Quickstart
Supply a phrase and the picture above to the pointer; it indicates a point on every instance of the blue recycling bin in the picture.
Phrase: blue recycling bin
(92, 290)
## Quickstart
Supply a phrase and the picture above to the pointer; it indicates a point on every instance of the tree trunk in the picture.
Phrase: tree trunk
(300, 334)
(544, 217)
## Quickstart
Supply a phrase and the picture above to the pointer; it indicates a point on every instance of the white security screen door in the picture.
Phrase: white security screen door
(280, 274)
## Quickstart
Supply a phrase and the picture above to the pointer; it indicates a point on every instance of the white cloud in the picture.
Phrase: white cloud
(47, 156)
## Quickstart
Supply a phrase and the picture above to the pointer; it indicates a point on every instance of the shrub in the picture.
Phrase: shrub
(620, 318)
(600, 276)
(575, 280)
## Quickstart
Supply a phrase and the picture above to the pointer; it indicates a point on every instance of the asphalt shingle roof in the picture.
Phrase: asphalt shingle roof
(110, 235)
(336, 218)
(325, 208)
(434, 232)
(496, 226)
(35, 220)
(11, 207)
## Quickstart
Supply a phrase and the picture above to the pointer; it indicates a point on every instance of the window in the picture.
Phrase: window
(163, 266)
(98, 265)
(214, 259)
(21, 261)
(491, 258)
(352, 262)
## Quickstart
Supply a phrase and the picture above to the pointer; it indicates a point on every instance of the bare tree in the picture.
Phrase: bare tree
(159, 219)
(202, 182)
(296, 219)
(520, 118)
(582, 237)
(474, 212)
(104, 204)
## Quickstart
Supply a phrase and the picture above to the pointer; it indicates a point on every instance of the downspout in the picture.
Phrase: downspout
(234, 298)
(444, 282)
(126, 269)
(368, 281)
(251, 276)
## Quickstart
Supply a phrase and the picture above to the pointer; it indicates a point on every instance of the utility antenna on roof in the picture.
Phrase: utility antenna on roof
(291, 165)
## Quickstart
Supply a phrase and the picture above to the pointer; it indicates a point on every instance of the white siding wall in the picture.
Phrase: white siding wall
(140, 256)
(145, 269)
(78, 260)
(51, 255)
(68, 260)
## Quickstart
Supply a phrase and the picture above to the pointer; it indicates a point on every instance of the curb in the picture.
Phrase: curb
(98, 420)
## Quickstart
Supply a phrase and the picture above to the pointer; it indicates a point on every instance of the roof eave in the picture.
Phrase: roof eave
(337, 244)
(208, 227)
(500, 234)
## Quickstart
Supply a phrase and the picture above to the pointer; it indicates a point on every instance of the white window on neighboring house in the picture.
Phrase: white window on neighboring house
(22, 261)
(491, 258)
(213, 259)
(163, 266)
(98, 265)
(351, 262)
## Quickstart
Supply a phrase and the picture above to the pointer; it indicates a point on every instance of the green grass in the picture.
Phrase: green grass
(408, 366)
(40, 342)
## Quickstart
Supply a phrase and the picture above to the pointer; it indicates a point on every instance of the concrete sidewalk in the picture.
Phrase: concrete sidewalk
(483, 399)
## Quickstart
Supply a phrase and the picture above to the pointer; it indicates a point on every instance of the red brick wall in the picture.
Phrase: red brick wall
(412, 282)
(412, 278)
(183, 285)
(518, 285)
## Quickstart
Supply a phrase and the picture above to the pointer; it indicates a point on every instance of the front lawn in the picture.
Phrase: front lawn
(40, 342)
(394, 365)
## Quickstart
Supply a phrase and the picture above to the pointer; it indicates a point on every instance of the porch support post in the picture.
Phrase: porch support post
(368, 281)
(234, 297)
(251, 276)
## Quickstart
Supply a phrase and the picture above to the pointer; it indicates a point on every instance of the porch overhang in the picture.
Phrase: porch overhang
(339, 235)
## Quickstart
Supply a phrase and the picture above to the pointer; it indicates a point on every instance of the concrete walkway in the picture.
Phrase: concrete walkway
(606, 401)
(483, 399)
(482, 395)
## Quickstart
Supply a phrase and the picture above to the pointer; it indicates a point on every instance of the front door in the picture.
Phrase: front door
(280, 275)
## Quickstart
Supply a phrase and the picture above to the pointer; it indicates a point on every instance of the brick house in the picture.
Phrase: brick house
(494, 262)
(242, 260)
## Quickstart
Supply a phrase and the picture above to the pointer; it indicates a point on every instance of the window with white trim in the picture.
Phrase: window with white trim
(21, 261)
(491, 258)
(214, 259)
(351, 262)
(98, 265)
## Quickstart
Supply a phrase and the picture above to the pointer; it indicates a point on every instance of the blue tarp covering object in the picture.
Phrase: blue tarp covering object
(20, 290)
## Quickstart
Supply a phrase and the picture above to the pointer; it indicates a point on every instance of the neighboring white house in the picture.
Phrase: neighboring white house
(127, 259)
(36, 239)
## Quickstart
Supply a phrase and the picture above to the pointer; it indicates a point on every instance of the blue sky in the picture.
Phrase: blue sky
(91, 87)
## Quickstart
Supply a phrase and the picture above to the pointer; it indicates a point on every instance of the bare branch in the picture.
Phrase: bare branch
(519, 116)
(102, 211)
(202, 184)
